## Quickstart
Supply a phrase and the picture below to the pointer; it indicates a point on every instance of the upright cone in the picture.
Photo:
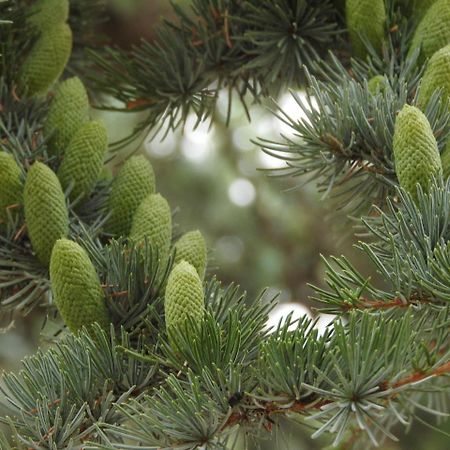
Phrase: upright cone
(416, 152)
(436, 76)
(433, 31)
(47, 59)
(69, 111)
(366, 19)
(76, 287)
(191, 247)
(46, 213)
(83, 160)
(11, 186)
(47, 13)
(153, 222)
(184, 297)
(134, 182)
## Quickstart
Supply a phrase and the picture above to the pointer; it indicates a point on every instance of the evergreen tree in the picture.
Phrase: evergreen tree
(153, 352)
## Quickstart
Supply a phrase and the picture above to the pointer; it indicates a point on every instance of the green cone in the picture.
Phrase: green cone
(433, 31)
(46, 213)
(76, 287)
(47, 13)
(84, 158)
(445, 159)
(134, 182)
(69, 110)
(366, 18)
(47, 60)
(376, 83)
(11, 186)
(416, 152)
(184, 297)
(153, 221)
(191, 247)
(437, 75)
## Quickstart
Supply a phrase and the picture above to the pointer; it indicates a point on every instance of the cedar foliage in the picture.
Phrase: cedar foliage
(186, 364)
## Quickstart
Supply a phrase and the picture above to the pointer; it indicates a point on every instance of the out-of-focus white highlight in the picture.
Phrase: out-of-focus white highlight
(198, 144)
(242, 192)
(229, 249)
(282, 311)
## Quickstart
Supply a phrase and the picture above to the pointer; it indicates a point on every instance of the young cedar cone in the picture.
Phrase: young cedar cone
(433, 31)
(83, 159)
(376, 83)
(437, 75)
(76, 287)
(11, 186)
(47, 13)
(445, 160)
(46, 213)
(366, 19)
(69, 110)
(421, 7)
(153, 221)
(134, 182)
(47, 59)
(191, 247)
(416, 152)
(184, 297)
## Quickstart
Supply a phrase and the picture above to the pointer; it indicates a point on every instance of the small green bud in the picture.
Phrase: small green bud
(191, 247)
(184, 297)
(69, 110)
(416, 151)
(153, 221)
(76, 287)
(134, 182)
(377, 84)
(47, 59)
(433, 31)
(11, 186)
(46, 213)
(83, 159)
(366, 18)
(437, 75)
(47, 13)
(445, 159)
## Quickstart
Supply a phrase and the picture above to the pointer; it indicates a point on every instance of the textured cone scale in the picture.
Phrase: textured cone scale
(76, 287)
(47, 59)
(365, 18)
(46, 213)
(437, 75)
(153, 221)
(46, 13)
(445, 159)
(83, 159)
(134, 182)
(11, 186)
(376, 83)
(69, 110)
(433, 31)
(184, 297)
(416, 152)
(191, 247)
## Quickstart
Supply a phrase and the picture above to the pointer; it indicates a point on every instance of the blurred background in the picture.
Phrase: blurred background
(263, 232)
